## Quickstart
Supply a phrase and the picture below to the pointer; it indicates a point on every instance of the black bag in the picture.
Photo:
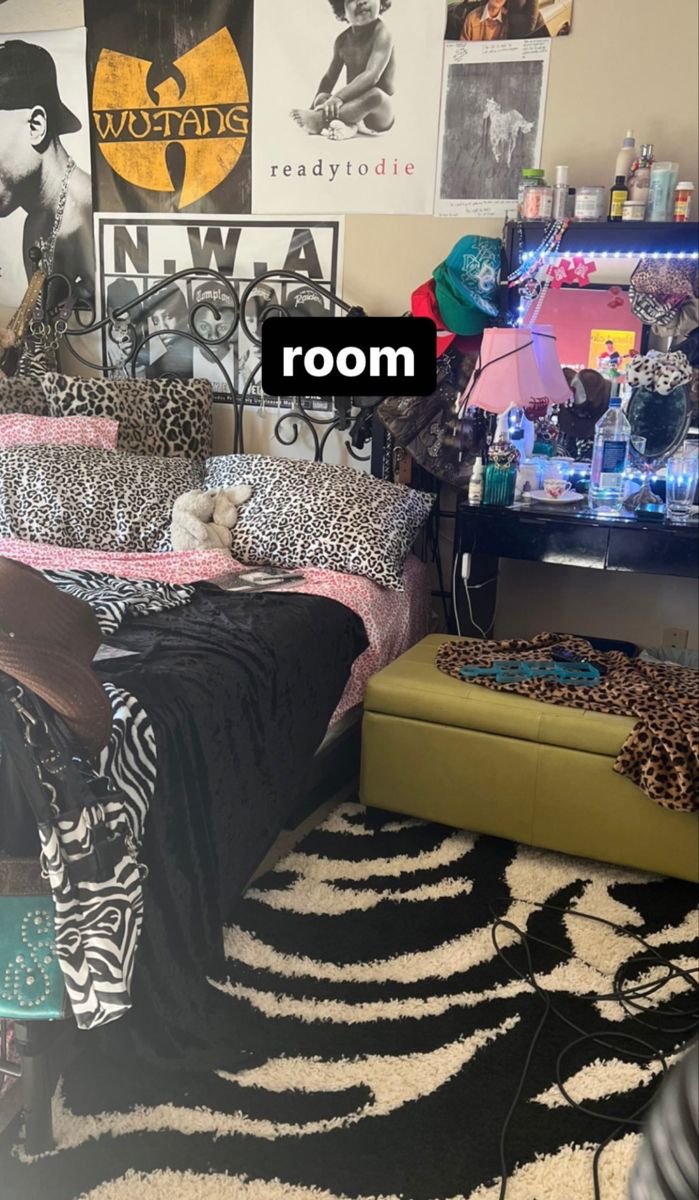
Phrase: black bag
(426, 426)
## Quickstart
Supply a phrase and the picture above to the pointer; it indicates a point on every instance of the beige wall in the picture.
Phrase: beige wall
(627, 63)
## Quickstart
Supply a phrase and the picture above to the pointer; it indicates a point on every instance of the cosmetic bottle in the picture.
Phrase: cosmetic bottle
(475, 486)
(639, 183)
(626, 156)
(618, 195)
(560, 194)
(663, 179)
(683, 201)
(531, 177)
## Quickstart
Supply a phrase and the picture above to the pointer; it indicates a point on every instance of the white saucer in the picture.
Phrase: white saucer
(570, 497)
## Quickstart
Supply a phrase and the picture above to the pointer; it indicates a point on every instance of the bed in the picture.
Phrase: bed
(253, 699)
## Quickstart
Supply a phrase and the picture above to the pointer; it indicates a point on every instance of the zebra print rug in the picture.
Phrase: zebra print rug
(395, 1034)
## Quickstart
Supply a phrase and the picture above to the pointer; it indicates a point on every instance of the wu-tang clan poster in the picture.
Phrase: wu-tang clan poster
(170, 104)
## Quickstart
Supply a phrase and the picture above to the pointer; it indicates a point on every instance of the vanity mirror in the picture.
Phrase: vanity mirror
(659, 411)
(659, 424)
(612, 292)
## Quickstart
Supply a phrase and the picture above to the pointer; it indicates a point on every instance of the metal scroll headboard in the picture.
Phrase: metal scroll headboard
(211, 327)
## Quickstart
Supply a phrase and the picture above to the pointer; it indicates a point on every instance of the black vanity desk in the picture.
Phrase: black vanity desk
(570, 536)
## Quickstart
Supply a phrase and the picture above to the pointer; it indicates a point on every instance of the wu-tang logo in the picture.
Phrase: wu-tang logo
(200, 102)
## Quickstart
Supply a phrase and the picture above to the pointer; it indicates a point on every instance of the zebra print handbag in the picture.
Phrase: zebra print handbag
(89, 843)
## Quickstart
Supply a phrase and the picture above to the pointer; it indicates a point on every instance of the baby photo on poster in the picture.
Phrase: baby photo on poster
(339, 124)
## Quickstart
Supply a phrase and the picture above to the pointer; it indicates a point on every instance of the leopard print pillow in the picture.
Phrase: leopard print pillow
(307, 514)
(18, 395)
(91, 499)
(171, 418)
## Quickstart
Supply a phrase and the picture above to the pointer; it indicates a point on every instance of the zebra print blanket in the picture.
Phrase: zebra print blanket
(113, 599)
(211, 680)
(98, 922)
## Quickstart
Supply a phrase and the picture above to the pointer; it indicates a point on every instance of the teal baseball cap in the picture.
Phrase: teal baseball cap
(467, 285)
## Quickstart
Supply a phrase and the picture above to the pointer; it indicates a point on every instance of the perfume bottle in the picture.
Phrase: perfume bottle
(501, 474)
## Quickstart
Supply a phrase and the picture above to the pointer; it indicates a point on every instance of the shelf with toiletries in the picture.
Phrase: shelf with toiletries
(643, 188)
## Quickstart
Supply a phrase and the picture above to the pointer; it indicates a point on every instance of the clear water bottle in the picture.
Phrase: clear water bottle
(609, 458)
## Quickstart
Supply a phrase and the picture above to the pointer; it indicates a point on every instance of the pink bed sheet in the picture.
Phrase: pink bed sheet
(394, 621)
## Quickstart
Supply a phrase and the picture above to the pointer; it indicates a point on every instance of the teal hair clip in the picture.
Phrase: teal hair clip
(513, 670)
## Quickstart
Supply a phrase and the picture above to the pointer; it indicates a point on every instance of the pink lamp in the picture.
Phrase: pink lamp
(506, 375)
(550, 369)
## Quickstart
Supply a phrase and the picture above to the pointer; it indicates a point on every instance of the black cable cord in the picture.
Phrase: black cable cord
(626, 989)
(432, 538)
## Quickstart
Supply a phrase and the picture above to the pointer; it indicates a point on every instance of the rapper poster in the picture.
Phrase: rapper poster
(170, 104)
(45, 189)
(492, 121)
(500, 20)
(346, 100)
(611, 349)
(135, 252)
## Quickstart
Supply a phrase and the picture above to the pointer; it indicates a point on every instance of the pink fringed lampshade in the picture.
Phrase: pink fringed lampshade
(550, 369)
(507, 374)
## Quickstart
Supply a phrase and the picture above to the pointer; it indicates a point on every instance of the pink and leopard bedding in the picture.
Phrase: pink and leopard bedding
(22, 429)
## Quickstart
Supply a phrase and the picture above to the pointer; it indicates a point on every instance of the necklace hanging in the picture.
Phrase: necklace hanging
(527, 275)
(48, 247)
(539, 257)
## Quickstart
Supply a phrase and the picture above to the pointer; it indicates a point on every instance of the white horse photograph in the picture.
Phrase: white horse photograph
(491, 128)
(503, 130)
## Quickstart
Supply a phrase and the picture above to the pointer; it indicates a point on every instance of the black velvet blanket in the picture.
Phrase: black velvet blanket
(240, 690)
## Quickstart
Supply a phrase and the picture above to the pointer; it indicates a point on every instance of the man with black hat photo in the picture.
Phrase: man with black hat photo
(214, 317)
(37, 174)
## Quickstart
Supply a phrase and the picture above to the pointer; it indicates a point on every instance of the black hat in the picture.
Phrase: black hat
(28, 77)
(305, 302)
(261, 298)
(121, 292)
(211, 292)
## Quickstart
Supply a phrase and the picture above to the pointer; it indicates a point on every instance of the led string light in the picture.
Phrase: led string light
(532, 262)
(665, 254)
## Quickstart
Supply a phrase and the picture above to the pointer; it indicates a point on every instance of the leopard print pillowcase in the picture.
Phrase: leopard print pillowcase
(19, 395)
(91, 499)
(169, 418)
(306, 514)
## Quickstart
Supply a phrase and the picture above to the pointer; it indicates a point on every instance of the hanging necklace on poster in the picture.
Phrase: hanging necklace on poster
(48, 248)
(39, 353)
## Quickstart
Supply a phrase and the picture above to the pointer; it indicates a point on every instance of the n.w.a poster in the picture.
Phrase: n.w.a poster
(137, 252)
(346, 102)
(170, 104)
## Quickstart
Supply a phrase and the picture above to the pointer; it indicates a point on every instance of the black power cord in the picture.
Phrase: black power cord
(627, 990)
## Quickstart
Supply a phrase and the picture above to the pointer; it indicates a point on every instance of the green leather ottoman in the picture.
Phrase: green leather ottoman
(491, 762)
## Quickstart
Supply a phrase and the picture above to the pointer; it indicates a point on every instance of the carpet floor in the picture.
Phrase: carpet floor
(396, 1015)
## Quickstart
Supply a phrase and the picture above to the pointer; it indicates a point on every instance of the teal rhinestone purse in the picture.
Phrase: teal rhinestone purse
(31, 980)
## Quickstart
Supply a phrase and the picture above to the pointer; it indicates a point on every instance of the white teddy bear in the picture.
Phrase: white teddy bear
(205, 520)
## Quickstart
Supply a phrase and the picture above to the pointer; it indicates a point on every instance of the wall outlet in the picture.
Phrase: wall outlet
(675, 639)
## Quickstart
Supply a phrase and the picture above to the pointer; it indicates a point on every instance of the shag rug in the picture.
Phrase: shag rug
(367, 963)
